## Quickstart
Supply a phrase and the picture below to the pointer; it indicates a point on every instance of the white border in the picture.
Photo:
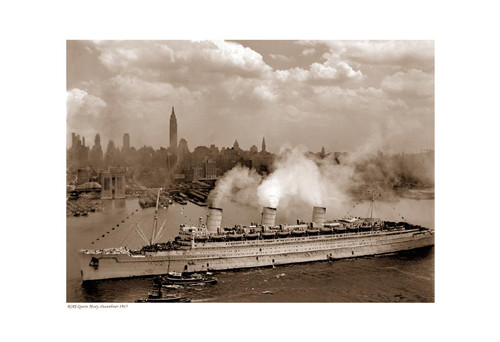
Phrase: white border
(33, 139)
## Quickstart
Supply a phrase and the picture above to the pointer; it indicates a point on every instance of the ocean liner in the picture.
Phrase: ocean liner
(209, 247)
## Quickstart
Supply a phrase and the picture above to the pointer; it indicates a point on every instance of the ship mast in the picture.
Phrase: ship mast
(155, 223)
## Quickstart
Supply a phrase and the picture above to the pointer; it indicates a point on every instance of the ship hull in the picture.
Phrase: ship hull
(215, 256)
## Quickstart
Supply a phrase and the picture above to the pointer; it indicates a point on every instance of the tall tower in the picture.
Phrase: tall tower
(263, 145)
(126, 142)
(97, 141)
(173, 131)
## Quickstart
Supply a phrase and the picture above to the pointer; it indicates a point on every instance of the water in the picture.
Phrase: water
(401, 277)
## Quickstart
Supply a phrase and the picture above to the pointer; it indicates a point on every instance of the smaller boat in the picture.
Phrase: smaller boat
(298, 232)
(234, 236)
(284, 233)
(217, 237)
(326, 230)
(251, 236)
(185, 279)
(166, 299)
(312, 231)
(157, 297)
(267, 235)
(172, 286)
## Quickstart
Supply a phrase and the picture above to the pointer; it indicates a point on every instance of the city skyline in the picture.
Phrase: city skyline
(343, 95)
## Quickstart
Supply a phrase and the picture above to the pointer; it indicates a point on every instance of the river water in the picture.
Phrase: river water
(401, 277)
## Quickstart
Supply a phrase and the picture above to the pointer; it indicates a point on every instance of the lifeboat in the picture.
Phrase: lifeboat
(284, 233)
(234, 236)
(267, 235)
(340, 229)
(312, 231)
(352, 228)
(251, 236)
(217, 237)
(365, 227)
(298, 232)
(326, 230)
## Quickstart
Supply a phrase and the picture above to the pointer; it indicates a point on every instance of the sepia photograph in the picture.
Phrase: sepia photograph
(216, 171)
(250, 171)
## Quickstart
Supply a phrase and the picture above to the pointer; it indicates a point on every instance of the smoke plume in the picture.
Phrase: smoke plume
(302, 179)
(238, 184)
(298, 178)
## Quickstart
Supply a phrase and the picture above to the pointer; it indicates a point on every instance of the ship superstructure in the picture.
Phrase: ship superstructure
(209, 247)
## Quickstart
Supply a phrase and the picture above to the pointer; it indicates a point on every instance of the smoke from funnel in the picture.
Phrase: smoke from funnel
(300, 179)
(239, 184)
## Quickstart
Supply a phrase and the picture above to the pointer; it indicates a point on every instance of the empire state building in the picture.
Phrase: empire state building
(173, 131)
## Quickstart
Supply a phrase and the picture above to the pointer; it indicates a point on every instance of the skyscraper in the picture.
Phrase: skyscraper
(126, 142)
(173, 131)
(97, 141)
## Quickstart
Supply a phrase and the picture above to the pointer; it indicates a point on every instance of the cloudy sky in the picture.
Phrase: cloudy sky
(343, 95)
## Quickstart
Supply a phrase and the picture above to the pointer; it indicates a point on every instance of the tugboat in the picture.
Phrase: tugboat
(184, 279)
(157, 297)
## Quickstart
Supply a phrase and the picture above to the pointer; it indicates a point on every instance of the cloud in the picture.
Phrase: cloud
(329, 71)
(413, 82)
(281, 58)
(265, 92)
(167, 57)
(308, 51)
(224, 90)
(84, 112)
(80, 103)
(134, 88)
(400, 53)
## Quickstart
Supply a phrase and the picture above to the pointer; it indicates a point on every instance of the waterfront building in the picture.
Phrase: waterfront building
(112, 183)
